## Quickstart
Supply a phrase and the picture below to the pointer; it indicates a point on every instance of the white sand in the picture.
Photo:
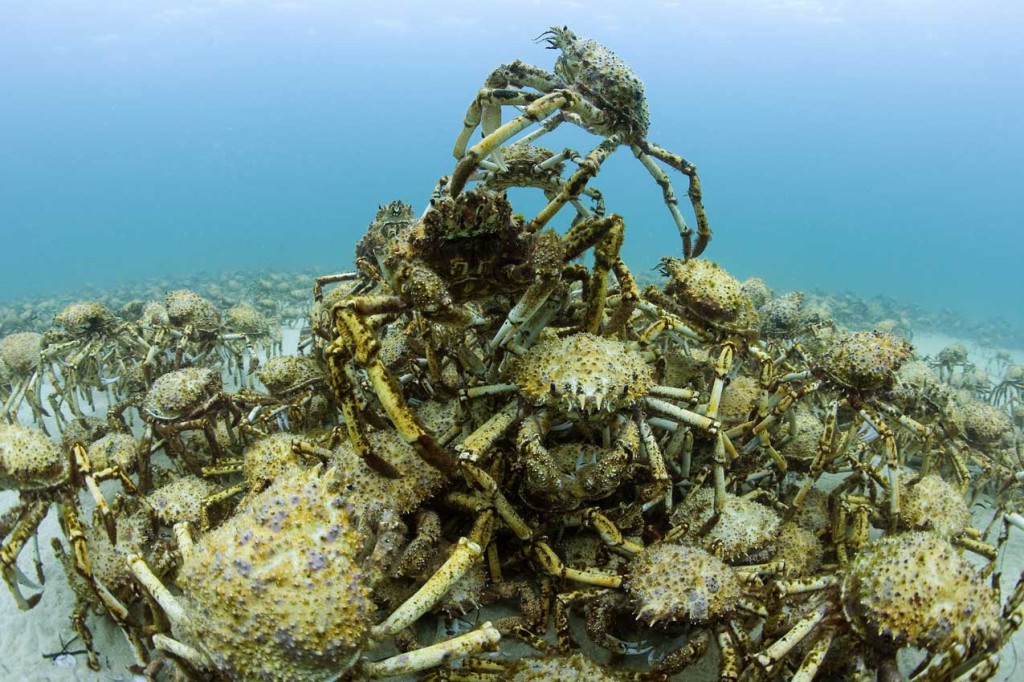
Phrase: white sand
(25, 636)
(982, 356)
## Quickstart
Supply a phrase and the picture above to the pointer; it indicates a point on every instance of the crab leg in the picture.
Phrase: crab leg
(466, 554)
(503, 87)
(606, 235)
(173, 609)
(768, 658)
(814, 658)
(481, 108)
(694, 193)
(357, 340)
(528, 305)
(27, 524)
(552, 564)
(576, 183)
(535, 112)
(546, 127)
(181, 650)
(484, 638)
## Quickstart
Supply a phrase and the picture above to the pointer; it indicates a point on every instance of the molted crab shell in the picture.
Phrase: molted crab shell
(179, 392)
(583, 373)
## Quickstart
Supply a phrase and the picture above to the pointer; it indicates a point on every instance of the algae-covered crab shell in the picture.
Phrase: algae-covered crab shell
(522, 159)
(391, 219)
(269, 457)
(986, 424)
(114, 449)
(916, 589)
(474, 213)
(186, 307)
(154, 313)
(709, 293)
(286, 373)
(28, 459)
(744, 527)
(245, 319)
(602, 76)
(671, 582)
(85, 318)
(276, 593)
(20, 352)
(179, 392)
(934, 504)
(583, 373)
(863, 361)
(181, 500)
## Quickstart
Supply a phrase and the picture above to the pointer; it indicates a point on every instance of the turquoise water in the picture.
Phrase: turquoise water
(872, 147)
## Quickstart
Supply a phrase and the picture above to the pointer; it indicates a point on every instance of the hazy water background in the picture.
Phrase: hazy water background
(873, 146)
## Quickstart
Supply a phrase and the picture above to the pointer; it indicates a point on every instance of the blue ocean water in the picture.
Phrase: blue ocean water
(872, 147)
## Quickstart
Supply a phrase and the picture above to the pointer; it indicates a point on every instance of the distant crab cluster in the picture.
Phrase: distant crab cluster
(479, 432)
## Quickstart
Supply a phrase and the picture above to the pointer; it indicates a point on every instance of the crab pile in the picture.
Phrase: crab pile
(480, 440)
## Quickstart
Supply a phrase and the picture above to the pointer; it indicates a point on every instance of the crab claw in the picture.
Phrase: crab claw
(555, 37)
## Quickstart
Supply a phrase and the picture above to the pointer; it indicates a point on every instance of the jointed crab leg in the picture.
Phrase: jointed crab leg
(484, 638)
(536, 111)
(466, 554)
(814, 658)
(577, 182)
(25, 528)
(694, 192)
(496, 93)
(356, 340)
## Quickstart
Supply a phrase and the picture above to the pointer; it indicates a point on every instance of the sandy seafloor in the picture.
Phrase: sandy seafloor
(26, 636)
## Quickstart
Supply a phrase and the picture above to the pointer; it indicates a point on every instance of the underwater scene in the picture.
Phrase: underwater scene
(518, 341)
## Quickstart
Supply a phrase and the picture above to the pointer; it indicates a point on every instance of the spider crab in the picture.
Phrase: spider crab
(593, 88)
(465, 250)
(294, 549)
(912, 589)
